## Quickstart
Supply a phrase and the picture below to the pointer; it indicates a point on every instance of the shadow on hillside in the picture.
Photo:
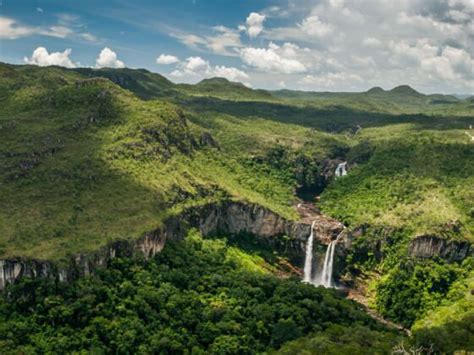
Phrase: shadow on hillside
(449, 337)
(60, 194)
(334, 119)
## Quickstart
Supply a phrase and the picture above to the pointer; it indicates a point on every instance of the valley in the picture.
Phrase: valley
(135, 211)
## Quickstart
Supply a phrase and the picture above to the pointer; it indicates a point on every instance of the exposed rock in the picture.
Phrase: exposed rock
(329, 167)
(206, 139)
(230, 218)
(427, 246)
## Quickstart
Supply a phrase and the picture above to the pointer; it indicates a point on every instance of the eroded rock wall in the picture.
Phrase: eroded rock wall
(226, 218)
(428, 246)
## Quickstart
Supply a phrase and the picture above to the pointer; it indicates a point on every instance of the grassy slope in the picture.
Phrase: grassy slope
(82, 169)
(90, 163)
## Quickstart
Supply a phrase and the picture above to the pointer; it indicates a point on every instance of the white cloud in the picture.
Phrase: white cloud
(443, 63)
(196, 68)
(177, 73)
(230, 73)
(42, 58)
(313, 26)
(372, 42)
(274, 58)
(166, 59)
(423, 43)
(255, 24)
(338, 4)
(10, 29)
(450, 64)
(195, 65)
(57, 31)
(331, 80)
(88, 37)
(108, 58)
(225, 42)
(190, 40)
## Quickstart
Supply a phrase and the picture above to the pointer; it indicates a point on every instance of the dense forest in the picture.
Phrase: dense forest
(198, 295)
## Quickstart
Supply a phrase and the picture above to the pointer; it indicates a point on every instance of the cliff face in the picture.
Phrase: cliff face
(428, 246)
(227, 218)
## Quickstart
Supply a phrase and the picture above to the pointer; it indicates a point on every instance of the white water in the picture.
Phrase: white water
(308, 261)
(341, 170)
(325, 279)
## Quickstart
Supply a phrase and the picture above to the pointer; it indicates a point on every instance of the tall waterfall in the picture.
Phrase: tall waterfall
(325, 279)
(308, 261)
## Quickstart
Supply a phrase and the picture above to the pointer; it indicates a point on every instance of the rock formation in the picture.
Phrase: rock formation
(229, 218)
(427, 246)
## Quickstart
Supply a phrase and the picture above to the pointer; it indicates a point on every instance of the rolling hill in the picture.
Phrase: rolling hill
(92, 156)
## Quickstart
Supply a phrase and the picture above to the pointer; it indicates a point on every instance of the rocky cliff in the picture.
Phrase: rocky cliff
(427, 246)
(229, 218)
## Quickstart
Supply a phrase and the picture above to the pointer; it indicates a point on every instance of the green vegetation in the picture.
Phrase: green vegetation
(336, 340)
(400, 100)
(224, 89)
(416, 181)
(91, 156)
(411, 289)
(197, 295)
(450, 326)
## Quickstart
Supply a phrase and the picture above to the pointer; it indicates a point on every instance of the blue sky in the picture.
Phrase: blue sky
(299, 44)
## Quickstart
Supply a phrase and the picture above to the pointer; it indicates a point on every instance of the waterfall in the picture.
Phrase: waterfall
(341, 169)
(308, 261)
(325, 278)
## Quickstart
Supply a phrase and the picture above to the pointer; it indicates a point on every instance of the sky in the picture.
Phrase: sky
(317, 45)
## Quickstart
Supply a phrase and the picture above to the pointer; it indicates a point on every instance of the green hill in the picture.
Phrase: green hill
(70, 139)
(141, 82)
(91, 156)
(399, 100)
(225, 89)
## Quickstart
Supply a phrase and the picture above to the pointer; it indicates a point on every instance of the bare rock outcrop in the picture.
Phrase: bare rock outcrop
(428, 246)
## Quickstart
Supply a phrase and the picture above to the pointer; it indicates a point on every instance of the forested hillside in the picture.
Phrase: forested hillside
(92, 156)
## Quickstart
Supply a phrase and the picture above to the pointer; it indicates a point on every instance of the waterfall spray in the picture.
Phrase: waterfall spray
(308, 261)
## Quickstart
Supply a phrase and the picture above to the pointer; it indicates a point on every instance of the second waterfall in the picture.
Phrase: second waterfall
(323, 277)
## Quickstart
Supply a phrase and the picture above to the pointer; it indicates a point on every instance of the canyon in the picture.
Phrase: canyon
(226, 218)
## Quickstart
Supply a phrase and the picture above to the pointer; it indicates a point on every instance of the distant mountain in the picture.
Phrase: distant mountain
(400, 99)
(462, 96)
(218, 81)
(223, 88)
(376, 90)
(405, 90)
